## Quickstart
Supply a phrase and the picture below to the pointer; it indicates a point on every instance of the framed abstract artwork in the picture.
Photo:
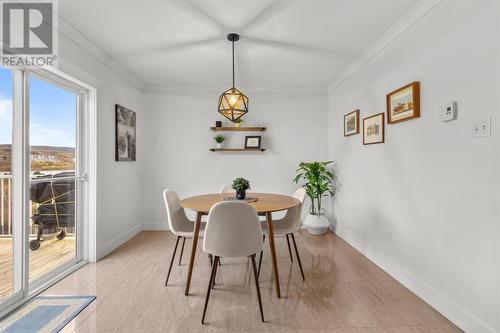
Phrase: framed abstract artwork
(404, 104)
(351, 123)
(125, 134)
(374, 129)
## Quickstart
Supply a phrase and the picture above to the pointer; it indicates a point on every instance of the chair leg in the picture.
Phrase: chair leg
(182, 249)
(215, 272)
(210, 284)
(261, 254)
(289, 249)
(172, 260)
(257, 286)
(210, 257)
(298, 257)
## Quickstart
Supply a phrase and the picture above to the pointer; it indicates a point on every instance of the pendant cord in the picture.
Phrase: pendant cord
(233, 63)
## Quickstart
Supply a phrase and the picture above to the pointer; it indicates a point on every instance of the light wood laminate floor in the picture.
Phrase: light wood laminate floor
(344, 292)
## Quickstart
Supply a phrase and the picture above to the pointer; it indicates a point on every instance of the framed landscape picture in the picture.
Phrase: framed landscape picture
(125, 138)
(374, 129)
(351, 123)
(404, 104)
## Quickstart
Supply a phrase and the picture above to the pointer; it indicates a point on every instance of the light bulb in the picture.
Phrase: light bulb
(232, 100)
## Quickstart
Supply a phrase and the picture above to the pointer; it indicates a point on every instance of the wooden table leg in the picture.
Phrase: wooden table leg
(273, 253)
(196, 233)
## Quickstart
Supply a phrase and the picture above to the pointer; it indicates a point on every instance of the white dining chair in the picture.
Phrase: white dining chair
(227, 188)
(178, 223)
(286, 226)
(233, 230)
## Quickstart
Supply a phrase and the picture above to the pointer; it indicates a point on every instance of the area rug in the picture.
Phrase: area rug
(47, 314)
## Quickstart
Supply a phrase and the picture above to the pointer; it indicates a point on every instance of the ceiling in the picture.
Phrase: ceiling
(285, 44)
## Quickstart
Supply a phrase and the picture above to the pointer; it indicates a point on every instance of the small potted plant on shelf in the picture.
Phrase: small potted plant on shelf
(219, 139)
(240, 185)
(318, 183)
(238, 122)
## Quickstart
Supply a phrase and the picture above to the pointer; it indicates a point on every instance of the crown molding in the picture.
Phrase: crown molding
(419, 11)
(159, 88)
(78, 38)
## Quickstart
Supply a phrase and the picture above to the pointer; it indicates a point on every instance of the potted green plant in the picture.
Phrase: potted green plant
(318, 183)
(238, 122)
(219, 139)
(240, 185)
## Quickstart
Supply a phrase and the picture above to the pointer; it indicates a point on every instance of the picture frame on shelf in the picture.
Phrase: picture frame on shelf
(404, 103)
(351, 123)
(374, 129)
(253, 142)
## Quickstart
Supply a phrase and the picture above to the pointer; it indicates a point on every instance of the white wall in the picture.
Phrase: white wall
(178, 138)
(425, 205)
(119, 183)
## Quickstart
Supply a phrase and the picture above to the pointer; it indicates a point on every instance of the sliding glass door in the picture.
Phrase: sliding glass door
(41, 180)
(54, 177)
(6, 229)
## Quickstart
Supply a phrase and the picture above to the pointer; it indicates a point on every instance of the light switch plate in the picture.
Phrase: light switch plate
(481, 128)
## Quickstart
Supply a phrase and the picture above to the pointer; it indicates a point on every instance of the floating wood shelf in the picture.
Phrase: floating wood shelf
(238, 149)
(238, 129)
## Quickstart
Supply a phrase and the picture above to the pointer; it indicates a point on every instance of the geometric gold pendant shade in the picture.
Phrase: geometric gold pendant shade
(233, 104)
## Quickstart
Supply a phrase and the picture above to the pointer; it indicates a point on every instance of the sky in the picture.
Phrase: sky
(52, 112)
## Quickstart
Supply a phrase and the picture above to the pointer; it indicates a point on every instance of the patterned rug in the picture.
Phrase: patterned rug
(45, 314)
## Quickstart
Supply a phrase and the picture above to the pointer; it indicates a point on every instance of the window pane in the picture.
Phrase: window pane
(53, 114)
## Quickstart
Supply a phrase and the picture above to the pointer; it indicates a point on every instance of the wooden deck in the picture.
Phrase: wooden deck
(51, 254)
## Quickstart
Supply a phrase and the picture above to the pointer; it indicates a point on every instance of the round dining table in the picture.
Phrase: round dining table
(264, 204)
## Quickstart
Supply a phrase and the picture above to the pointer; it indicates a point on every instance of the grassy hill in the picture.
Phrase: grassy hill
(49, 158)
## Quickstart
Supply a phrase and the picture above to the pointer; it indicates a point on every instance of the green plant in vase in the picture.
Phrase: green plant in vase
(219, 139)
(238, 122)
(318, 182)
(240, 185)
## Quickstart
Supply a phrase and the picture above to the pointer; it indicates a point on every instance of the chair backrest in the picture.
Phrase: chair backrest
(233, 230)
(227, 188)
(175, 213)
(293, 216)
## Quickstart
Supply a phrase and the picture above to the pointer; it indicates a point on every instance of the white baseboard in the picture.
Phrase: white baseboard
(155, 226)
(447, 308)
(118, 241)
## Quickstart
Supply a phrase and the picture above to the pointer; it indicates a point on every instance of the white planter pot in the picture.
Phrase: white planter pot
(316, 224)
(219, 145)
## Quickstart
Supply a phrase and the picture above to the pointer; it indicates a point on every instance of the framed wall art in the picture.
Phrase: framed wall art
(404, 103)
(253, 142)
(125, 134)
(351, 123)
(374, 129)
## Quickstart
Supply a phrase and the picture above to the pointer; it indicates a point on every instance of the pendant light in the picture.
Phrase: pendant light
(233, 104)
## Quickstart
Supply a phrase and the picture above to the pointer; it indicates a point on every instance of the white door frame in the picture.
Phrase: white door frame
(87, 126)
(87, 139)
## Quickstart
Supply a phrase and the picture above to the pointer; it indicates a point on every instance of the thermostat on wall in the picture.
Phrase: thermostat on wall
(448, 111)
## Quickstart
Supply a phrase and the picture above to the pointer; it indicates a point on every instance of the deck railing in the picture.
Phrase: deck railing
(5, 205)
(6, 209)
